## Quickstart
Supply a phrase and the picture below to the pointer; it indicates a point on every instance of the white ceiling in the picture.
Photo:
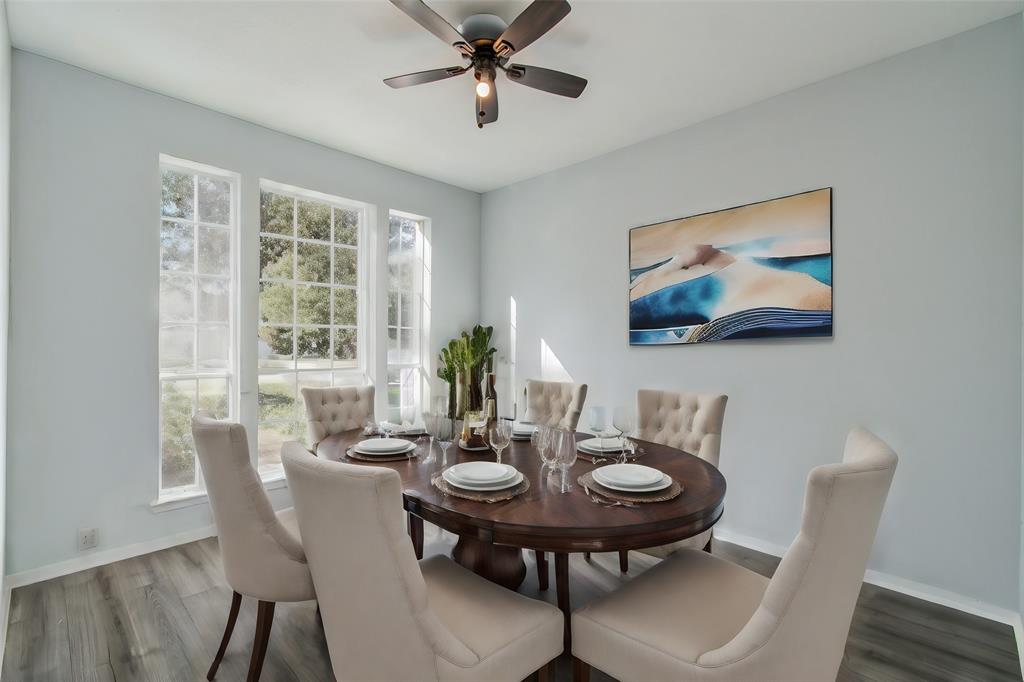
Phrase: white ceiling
(314, 69)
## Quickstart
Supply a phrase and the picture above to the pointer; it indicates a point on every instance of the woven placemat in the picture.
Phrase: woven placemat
(359, 457)
(669, 493)
(479, 495)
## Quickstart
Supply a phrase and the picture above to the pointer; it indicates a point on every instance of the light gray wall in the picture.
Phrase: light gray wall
(5, 259)
(82, 441)
(924, 154)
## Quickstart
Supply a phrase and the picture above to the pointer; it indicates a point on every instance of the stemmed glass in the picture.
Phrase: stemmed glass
(623, 420)
(430, 426)
(541, 441)
(565, 455)
(445, 432)
(597, 424)
(386, 428)
(500, 435)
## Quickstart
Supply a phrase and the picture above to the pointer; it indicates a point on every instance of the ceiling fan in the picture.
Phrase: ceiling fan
(488, 43)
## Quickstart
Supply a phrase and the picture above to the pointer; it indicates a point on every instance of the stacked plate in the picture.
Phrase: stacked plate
(522, 430)
(482, 476)
(631, 478)
(384, 447)
(601, 446)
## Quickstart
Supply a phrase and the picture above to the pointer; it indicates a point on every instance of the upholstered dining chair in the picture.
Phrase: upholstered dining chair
(695, 616)
(333, 410)
(387, 616)
(261, 549)
(343, 408)
(554, 403)
(687, 421)
(558, 404)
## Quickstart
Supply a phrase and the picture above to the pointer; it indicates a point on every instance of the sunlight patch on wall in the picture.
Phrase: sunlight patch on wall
(551, 368)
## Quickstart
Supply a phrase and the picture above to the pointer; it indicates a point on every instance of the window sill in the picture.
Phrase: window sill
(193, 498)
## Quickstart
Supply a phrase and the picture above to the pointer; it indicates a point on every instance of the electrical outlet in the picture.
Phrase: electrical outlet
(86, 538)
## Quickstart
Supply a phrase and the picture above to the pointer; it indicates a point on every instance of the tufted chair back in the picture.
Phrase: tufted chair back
(554, 403)
(333, 410)
(688, 421)
(371, 591)
(799, 631)
(262, 558)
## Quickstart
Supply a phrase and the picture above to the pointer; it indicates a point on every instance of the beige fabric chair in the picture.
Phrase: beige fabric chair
(688, 421)
(261, 550)
(695, 616)
(333, 410)
(387, 616)
(554, 403)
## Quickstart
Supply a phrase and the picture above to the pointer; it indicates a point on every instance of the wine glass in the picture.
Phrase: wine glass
(500, 435)
(623, 420)
(444, 435)
(430, 425)
(385, 428)
(565, 455)
(597, 423)
(541, 441)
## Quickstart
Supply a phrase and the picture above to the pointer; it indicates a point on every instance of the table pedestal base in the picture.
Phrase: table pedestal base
(498, 563)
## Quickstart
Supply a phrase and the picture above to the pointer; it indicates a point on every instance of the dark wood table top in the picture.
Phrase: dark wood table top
(545, 519)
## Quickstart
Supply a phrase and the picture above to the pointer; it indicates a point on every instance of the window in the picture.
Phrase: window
(407, 291)
(198, 302)
(310, 289)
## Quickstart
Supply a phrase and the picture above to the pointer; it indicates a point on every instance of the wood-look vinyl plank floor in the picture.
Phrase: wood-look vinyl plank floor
(159, 617)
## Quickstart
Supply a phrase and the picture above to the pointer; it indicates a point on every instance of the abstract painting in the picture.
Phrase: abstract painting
(754, 271)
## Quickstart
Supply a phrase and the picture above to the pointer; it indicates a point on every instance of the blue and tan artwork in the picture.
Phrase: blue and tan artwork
(753, 271)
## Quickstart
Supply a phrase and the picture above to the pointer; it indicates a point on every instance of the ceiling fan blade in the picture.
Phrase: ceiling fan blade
(564, 84)
(434, 22)
(421, 77)
(487, 108)
(536, 20)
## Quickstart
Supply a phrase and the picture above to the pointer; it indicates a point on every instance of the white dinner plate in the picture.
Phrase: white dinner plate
(403, 447)
(381, 445)
(482, 472)
(601, 444)
(514, 481)
(627, 475)
(665, 482)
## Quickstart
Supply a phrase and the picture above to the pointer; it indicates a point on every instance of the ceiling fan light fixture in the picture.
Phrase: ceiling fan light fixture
(483, 87)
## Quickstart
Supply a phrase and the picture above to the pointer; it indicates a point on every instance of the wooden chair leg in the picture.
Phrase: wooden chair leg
(586, 555)
(416, 533)
(236, 601)
(580, 670)
(562, 597)
(542, 569)
(546, 673)
(624, 561)
(264, 621)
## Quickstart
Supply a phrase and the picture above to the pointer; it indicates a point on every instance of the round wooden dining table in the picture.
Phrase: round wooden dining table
(493, 535)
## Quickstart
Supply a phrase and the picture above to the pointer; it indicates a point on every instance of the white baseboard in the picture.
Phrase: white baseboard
(107, 556)
(912, 588)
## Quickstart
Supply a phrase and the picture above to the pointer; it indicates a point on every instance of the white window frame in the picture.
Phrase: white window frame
(421, 305)
(231, 374)
(366, 334)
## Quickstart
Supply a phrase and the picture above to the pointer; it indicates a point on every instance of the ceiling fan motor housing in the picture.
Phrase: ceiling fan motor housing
(482, 27)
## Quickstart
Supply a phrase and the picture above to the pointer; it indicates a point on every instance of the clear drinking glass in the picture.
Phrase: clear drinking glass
(624, 422)
(565, 455)
(597, 423)
(500, 435)
(430, 426)
(541, 441)
(445, 434)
